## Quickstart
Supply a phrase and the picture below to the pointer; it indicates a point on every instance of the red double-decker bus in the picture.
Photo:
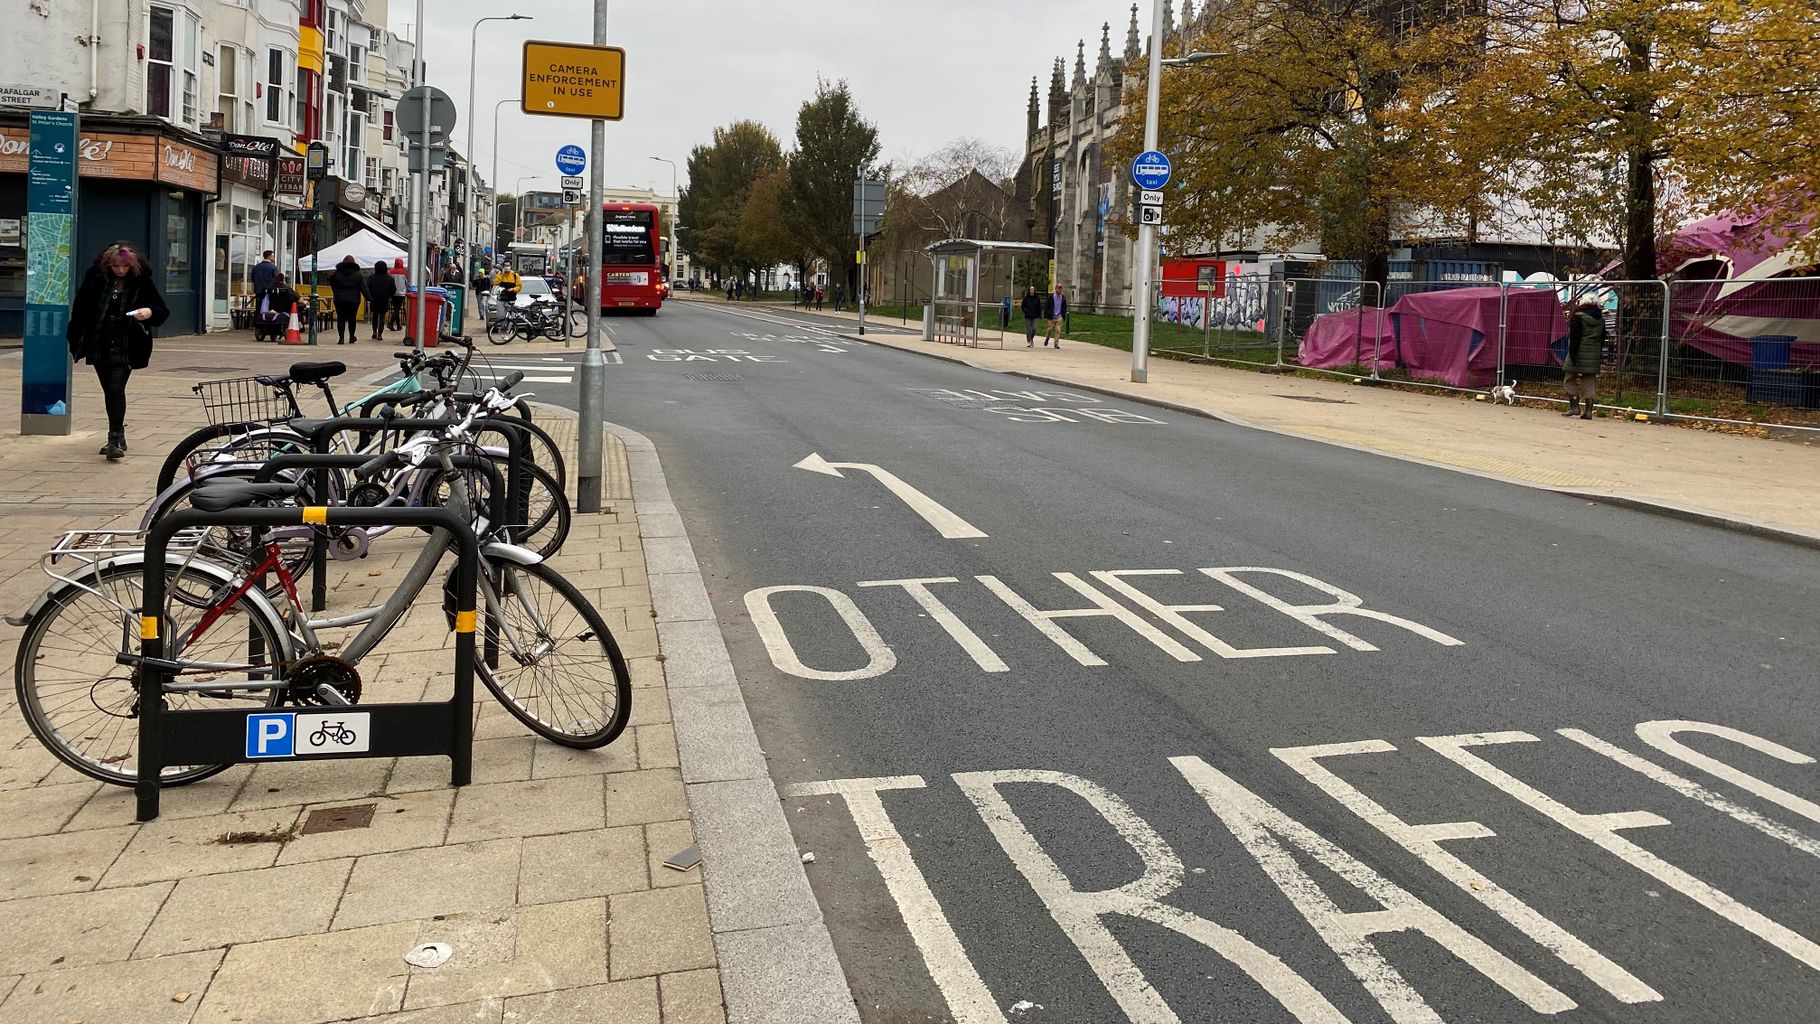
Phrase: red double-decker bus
(632, 258)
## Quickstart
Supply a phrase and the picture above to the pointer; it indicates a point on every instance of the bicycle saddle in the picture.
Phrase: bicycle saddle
(221, 495)
(313, 373)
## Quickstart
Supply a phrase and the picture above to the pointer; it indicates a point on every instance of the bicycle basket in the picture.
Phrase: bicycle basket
(244, 400)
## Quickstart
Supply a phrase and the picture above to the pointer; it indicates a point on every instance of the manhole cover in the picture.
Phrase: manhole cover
(1312, 398)
(338, 819)
(715, 377)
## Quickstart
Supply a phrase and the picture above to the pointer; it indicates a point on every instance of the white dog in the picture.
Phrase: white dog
(1507, 392)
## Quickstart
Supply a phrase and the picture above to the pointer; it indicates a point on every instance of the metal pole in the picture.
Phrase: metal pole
(469, 221)
(593, 364)
(493, 232)
(862, 250)
(419, 238)
(1146, 243)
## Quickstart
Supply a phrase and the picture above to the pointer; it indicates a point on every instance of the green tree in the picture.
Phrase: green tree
(1295, 127)
(832, 143)
(721, 177)
(766, 236)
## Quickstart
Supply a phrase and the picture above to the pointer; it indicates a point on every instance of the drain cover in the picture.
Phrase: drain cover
(338, 819)
(715, 377)
(1312, 398)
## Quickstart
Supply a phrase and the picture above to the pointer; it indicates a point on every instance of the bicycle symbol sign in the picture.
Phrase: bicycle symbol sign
(291, 734)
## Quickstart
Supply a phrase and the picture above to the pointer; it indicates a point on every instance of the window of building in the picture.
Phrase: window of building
(357, 72)
(389, 120)
(227, 101)
(245, 92)
(188, 57)
(278, 101)
(332, 30)
(158, 56)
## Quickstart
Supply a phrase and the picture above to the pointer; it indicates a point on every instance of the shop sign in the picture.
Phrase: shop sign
(130, 157)
(290, 176)
(253, 172)
(259, 146)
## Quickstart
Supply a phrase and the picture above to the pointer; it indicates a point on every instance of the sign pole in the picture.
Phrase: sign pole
(862, 250)
(1146, 243)
(419, 238)
(50, 270)
(593, 363)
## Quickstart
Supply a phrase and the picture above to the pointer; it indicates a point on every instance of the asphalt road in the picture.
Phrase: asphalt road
(1114, 813)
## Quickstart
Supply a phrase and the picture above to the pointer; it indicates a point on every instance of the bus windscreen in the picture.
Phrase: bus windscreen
(626, 239)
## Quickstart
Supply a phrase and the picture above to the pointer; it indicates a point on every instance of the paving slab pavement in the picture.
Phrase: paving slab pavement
(545, 874)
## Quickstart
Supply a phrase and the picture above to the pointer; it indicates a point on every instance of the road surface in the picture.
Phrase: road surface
(1092, 711)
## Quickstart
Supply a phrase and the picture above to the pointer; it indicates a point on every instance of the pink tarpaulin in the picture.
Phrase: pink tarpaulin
(1450, 335)
(1349, 338)
(1762, 294)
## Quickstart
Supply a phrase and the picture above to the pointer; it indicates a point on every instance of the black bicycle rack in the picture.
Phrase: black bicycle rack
(323, 436)
(235, 736)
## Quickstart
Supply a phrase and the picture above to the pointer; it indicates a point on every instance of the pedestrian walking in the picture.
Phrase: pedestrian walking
(1058, 314)
(821, 293)
(1585, 342)
(111, 324)
(400, 281)
(380, 291)
(840, 296)
(348, 286)
(1032, 309)
(263, 273)
(1004, 314)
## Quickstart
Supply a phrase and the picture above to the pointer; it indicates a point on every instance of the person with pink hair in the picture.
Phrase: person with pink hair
(116, 310)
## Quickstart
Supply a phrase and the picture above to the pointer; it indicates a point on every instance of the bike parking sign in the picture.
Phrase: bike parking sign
(290, 734)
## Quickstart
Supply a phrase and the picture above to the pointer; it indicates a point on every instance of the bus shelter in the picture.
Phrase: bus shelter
(967, 273)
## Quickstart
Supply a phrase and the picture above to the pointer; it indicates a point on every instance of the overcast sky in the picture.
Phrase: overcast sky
(923, 71)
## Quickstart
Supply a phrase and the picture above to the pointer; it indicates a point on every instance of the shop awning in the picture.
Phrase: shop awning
(372, 224)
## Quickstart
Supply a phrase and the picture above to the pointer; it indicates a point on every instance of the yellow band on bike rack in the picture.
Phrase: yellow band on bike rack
(317, 514)
(464, 622)
(148, 627)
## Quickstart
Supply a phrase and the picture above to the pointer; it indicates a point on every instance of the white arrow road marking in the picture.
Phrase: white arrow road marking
(949, 525)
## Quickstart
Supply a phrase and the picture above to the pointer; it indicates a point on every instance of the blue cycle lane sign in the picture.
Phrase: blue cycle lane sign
(571, 159)
(290, 734)
(1150, 170)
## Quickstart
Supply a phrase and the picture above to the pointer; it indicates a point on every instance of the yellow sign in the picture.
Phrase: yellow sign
(574, 80)
(860, 257)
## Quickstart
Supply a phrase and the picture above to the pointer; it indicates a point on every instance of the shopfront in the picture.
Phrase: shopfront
(246, 225)
(141, 181)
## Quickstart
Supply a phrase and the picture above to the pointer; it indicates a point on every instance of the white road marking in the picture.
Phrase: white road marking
(1425, 842)
(879, 658)
(982, 655)
(1694, 791)
(1311, 614)
(968, 998)
(1102, 605)
(1264, 830)
(1080, 913)
(949, 525)
(1602, 830)
(1172, 614)
(1661, 735)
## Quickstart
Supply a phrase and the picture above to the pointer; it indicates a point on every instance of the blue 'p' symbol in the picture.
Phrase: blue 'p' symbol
(271, 735)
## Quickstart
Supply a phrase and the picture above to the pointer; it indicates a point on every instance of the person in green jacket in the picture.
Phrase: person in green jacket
(1585, 342)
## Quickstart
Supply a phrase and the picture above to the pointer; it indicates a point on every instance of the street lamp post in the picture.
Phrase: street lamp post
(493, 233)
(675, 214)
(519, 225)
(467, 228)
(1147, 244)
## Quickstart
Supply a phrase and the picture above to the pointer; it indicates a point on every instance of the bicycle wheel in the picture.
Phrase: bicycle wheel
(578, 323)
(83, 706)
(501, 329)
(554, 328)
(545, 453)
(547, 513)
(205, 443)
(293, 541)
(560, 671)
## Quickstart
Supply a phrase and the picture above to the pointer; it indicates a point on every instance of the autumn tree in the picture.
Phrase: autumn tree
(766, 236)
(1295, 126)
(722, 175)
(833, 142)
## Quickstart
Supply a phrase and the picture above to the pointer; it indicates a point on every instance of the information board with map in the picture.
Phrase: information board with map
(50, 210)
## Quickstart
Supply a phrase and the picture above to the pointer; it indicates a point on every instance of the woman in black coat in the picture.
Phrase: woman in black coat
(116, 309)
(348, 286)
(380, 291)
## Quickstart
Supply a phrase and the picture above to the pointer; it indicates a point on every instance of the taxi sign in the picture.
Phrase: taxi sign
(574, 80)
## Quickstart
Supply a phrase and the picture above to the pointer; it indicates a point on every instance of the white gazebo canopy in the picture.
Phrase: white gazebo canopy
(365, 246)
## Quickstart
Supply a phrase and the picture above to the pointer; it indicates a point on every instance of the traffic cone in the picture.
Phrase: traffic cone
(293, 331)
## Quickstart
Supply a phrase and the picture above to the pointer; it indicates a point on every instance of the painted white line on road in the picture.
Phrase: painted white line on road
(1268, 834)
(953, 972)
(777, 322)
(1102, 605)
(1425, 842)
(1602, 830)
(949, 525)
(879, 658)
(1661, 735)
(1080, 914)
(982, 655)
(1310, 614)
(1694, 791)
(1171, 613)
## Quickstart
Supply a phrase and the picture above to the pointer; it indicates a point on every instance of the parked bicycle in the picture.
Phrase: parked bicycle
(234, 640)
